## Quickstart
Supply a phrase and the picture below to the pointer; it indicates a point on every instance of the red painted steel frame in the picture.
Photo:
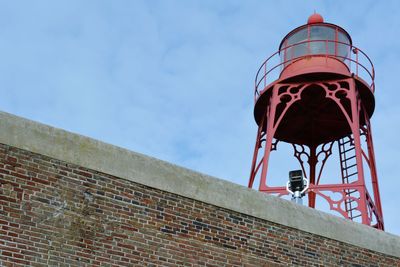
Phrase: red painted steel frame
(369, 208)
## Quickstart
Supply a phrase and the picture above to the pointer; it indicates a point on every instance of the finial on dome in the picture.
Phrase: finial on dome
(315, 18)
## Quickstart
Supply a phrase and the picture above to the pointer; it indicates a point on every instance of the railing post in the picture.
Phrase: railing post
(255, 90)
(350, 59)
(336, 42)
(308, 40)
(326, 49)
(265, 74)
(373, 76)
(291, 53)
(284, 54)
(356, 51)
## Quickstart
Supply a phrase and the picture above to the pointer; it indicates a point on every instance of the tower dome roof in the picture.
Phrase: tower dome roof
(315, 18)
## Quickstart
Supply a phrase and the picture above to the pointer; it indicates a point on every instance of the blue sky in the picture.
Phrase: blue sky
(174, 79)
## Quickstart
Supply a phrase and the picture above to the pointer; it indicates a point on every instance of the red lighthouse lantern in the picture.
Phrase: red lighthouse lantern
(317, 94)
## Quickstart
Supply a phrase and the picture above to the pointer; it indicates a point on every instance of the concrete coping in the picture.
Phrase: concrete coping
(93, 154)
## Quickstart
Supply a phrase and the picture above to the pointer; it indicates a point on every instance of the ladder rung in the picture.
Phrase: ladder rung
(351, 192)
(349, 149)
(344, 159)
(352, 209)
(348, 167)
(355, 216)
(352, 157)
(344, 176)
(350, 201)
(348, 141)
(354, 173)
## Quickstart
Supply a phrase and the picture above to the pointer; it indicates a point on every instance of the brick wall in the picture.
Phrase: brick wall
(53, 213)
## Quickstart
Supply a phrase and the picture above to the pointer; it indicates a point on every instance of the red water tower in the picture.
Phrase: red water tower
(317, 94)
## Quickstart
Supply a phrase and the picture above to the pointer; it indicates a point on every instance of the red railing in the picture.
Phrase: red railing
(356, 60)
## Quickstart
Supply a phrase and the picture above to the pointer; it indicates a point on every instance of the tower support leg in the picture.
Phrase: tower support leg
(312, 162)
(355, 128)
(270, 132)
(377, 208)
